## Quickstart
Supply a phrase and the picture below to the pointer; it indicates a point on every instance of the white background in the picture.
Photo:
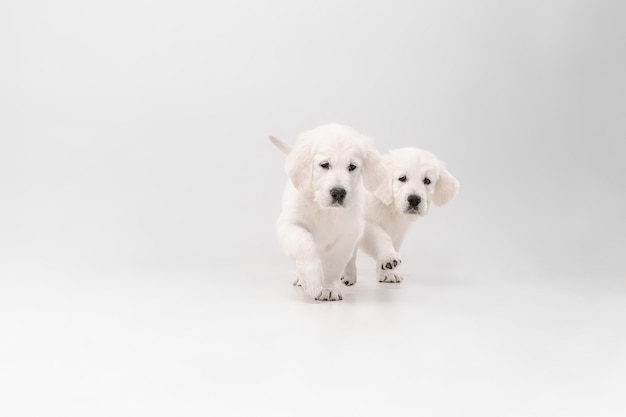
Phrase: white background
(139, 268)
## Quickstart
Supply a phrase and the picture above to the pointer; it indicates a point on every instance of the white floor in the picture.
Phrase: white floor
(244, 342)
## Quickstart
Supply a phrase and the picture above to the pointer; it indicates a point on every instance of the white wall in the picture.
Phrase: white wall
(133, 133)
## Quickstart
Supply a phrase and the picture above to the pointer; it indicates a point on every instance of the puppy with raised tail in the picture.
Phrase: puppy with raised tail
(417, 178)
(323, 214)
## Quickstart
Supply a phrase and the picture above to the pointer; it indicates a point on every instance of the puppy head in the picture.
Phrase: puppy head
(419, 178)
(332, 161)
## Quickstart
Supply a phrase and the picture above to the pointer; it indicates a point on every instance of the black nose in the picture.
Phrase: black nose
(338, 194)
(414, 200)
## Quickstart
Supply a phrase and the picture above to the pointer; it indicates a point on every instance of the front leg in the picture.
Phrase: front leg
(298, 244)
(378, 244)
(349, 274)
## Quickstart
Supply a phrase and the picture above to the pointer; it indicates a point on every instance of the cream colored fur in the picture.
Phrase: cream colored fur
(317, 232)
(388, 221)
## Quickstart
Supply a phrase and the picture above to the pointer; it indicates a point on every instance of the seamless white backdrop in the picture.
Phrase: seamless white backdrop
(133, 134)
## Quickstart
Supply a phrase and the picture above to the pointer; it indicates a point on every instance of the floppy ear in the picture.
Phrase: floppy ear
(298, 165)
(376, 177)
(446, 188)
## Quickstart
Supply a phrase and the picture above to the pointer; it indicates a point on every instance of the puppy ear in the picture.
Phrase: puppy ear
(376, 178)
(446, 188)
(298, 165)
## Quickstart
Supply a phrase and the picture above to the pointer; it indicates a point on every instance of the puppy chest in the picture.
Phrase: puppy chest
(337, 236)
(396, 229)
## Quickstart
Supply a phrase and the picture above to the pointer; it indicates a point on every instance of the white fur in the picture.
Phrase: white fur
(388, 223)
(319, 234)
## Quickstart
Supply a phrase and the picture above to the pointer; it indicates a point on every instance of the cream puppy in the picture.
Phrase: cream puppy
(323, 214)
(418, 178)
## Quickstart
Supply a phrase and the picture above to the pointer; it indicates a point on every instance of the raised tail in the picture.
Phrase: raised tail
(285, 147)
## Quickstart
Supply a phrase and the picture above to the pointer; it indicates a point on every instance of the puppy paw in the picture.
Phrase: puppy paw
(389, 262)
(348, 279)
(317, 292)
(329, 294)
(389, 277)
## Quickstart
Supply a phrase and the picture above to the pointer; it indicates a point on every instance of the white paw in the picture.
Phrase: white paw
(389, 277)
(317, 291)
(389, 262)
(329, 294)
(312, 288)
(348, 279)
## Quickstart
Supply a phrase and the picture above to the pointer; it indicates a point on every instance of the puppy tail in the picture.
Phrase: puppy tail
(286, 148)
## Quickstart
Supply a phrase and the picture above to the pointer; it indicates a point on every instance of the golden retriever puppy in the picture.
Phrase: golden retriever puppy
(418, 179)
(323, 214)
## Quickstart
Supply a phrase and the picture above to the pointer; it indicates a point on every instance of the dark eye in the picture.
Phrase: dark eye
(402, 178)
(325, 165)
(426, 181)
(351, 167)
